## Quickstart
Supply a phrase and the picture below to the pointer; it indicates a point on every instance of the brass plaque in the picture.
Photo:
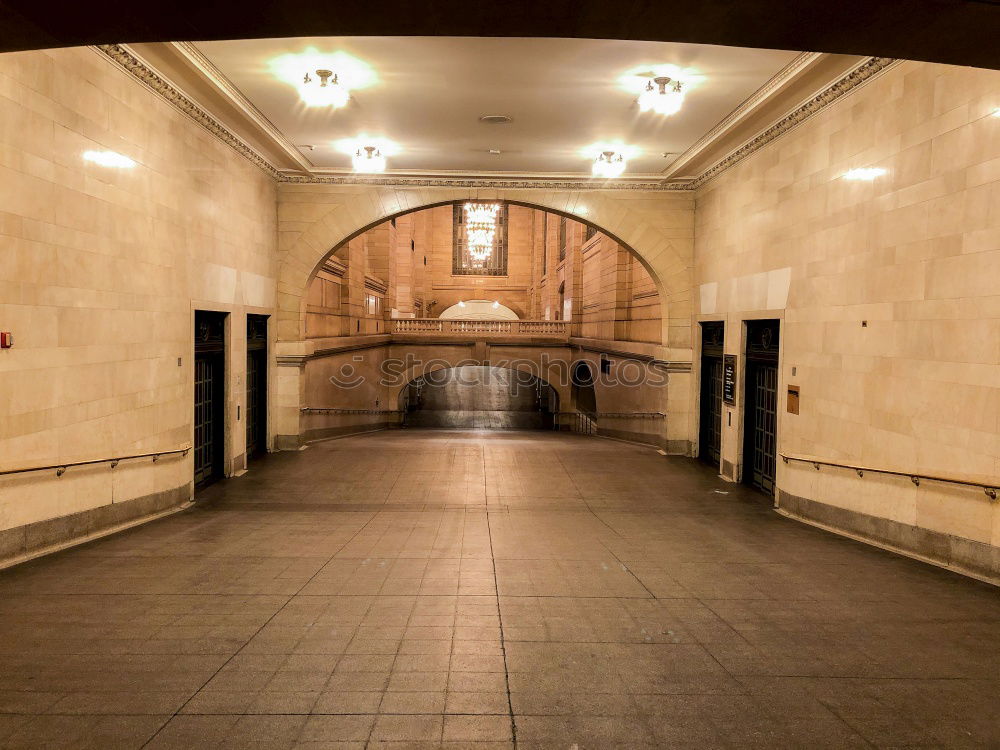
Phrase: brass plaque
(793, 399)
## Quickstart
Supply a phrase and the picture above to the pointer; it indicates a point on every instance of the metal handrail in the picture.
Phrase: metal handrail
(61, 468)
(990, 488)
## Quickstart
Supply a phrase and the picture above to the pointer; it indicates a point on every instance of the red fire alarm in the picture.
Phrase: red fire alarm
(6, 339)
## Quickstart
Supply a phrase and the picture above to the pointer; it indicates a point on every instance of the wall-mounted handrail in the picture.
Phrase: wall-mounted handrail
(60, 469)
(990, 488)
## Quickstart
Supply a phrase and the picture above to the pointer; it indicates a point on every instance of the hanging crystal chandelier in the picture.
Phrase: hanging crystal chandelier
(663, 95)
(609, 164)
(480, 230)
(326, 92)
(368, 159)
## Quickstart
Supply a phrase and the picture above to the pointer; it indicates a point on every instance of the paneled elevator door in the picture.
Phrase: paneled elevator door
(710, 428)
(209, 396)
(760, 431)
(256, 396)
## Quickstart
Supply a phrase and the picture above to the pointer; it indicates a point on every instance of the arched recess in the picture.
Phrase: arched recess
(479, 309)
(525, 388)
(656, 226)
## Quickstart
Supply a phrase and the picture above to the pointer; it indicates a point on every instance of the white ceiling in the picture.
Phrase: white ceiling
(563, 95)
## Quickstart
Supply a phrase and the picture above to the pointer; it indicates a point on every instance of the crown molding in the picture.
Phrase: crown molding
(133, 65)
(795, 68)
(486, 181)
(208, 69)
(866, 71)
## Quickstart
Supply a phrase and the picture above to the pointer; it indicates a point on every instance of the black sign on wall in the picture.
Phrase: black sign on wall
(729, 379)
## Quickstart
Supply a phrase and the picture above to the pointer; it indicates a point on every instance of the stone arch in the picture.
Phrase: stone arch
(656, 226)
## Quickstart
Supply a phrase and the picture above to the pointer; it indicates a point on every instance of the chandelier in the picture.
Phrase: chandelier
(480, 230)
(609, 164)
(663, 95)
(325, 92)
(368, 159)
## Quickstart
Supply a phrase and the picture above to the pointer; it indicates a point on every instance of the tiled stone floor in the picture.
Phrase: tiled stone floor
(487, 590)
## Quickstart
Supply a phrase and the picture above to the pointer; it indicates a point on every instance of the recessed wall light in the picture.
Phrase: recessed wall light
(864, 173)
(109, 159)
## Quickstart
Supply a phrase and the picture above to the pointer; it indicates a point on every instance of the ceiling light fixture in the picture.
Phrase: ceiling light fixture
(109, 159)
(864, 173)
(480, 230)
(323, 79)
(327, 91)
(663, 95)
(609, 164)
(368, 159)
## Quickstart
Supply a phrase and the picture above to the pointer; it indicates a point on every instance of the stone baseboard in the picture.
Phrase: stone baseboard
(344, 430)
(24, 541)
(964, 555)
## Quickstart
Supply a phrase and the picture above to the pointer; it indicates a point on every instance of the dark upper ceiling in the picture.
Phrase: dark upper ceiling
(963, 32)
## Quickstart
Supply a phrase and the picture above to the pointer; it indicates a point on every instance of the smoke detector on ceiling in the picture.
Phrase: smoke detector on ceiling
(495, 119)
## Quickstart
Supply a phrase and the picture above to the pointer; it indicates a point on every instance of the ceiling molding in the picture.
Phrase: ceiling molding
(474, 181)
(132, 64)
(205, 66)
(866, 71)
(752, 103)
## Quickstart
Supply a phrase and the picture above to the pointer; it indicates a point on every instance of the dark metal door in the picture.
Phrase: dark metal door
(710, 432)
(209, 397)
(761, 405)
(256, 396)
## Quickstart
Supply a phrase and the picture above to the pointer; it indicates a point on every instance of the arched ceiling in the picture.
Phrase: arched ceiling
(962, 32)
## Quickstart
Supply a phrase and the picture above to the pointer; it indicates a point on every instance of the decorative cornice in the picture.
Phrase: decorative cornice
(756, 99)
(128, 61)
(865, 72)
(207, 68)
(512, 183)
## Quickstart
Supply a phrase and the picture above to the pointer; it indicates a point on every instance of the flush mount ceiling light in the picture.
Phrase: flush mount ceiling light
(323, 79)
(608, 164)
(325, 90)
(864, 173)
(368, 159)
(660, 88)
(663, 95)
(368, 153)
(480, 230)
(609, 158)
(109, 159)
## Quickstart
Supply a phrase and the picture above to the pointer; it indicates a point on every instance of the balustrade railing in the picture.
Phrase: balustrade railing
(503, 327)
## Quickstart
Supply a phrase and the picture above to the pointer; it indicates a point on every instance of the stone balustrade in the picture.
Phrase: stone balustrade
(528, 328)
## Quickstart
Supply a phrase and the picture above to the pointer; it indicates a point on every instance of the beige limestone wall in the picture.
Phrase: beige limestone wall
(102, 269)
(889, 292)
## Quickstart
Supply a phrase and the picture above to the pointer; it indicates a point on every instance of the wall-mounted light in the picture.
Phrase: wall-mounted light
(864, 173)
(109, 159)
